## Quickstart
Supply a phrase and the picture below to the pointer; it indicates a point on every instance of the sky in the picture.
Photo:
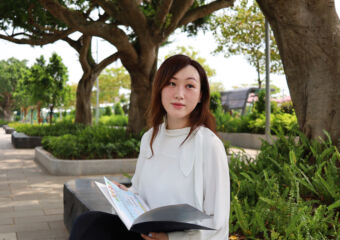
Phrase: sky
(232, 71)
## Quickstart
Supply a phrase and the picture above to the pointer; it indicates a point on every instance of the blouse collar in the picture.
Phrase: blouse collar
(175, 132)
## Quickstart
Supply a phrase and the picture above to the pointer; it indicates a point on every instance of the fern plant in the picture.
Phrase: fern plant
(290, 191)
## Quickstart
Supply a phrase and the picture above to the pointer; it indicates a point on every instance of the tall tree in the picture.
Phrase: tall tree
(46, 83)
(11, 72)
(137, 29)
(240, 31)
(308, 37)
(57, 73)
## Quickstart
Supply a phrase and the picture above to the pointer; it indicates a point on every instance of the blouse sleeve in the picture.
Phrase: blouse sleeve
(143, 151)
(216, 190)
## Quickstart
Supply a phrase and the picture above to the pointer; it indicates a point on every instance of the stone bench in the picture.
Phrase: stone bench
(82, 195)
(21, 140)
(8, 129)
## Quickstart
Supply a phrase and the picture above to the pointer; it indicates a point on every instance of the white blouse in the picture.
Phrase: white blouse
(195, 173)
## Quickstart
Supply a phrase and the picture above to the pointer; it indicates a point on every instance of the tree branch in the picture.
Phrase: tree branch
(205, 10)
(38, 41)
(162, 12)
(107, 61)
(85, 43)
(73, 43)
(136, 19)
(111, 9)
(76, 20)
(179, 8)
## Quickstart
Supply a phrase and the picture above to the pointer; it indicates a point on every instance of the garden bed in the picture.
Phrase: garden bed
(61, 167)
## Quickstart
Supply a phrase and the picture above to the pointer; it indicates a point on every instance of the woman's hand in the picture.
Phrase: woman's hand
(121, 186)
(156, 236)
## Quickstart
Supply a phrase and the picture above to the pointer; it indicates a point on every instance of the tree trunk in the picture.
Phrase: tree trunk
(308, 37)
(24, 113)
(7, 114)
(91, 70)
(83, 102)
(39, 112)
(7, 106)
(141, 89)
(139, 101)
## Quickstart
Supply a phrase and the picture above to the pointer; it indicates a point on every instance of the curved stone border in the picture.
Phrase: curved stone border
(245, 140)
(62, 167)
(21, 140)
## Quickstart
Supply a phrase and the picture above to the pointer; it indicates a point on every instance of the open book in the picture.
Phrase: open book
(138, 217)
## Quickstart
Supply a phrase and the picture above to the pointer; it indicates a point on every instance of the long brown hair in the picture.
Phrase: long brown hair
(200, 116)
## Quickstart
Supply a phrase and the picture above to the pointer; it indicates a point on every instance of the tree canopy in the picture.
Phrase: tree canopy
(11, 72)
(240, 31)
(45, 82)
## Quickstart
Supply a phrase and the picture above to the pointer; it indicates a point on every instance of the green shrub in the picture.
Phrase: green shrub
(108, 111)
(114, 120)
(290, 191)
(3, 122)
(215, 102)
(56, 129)
(256, 123)
(69, 118)
(118, 109)
(287, 107)
(96, 142)
(285, 122)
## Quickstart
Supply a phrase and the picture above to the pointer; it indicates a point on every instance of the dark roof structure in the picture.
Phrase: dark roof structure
(236, 99)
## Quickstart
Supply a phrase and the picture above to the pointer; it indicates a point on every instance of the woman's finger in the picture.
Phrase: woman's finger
(123, 187)
(147, 237)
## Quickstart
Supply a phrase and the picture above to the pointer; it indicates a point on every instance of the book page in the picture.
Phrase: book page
(127, 204)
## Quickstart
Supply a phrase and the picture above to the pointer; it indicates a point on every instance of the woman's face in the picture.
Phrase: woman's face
(180, 96)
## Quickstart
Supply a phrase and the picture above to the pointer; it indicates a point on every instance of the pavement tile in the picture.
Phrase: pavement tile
(23, 213)
(12, 203)
(27, 207)
(4, 193)
(57, 224)
(36, 219)
(4, 187)
(54, 211)
(8, 236)
(6, 209)
(42, 234)
(20, 227)
(6, 221)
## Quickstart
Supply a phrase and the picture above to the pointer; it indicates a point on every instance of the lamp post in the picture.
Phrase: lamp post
(51, 112)
(267, 37)
(97, 92)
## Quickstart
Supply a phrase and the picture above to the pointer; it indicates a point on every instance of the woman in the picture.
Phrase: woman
(181, 159)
